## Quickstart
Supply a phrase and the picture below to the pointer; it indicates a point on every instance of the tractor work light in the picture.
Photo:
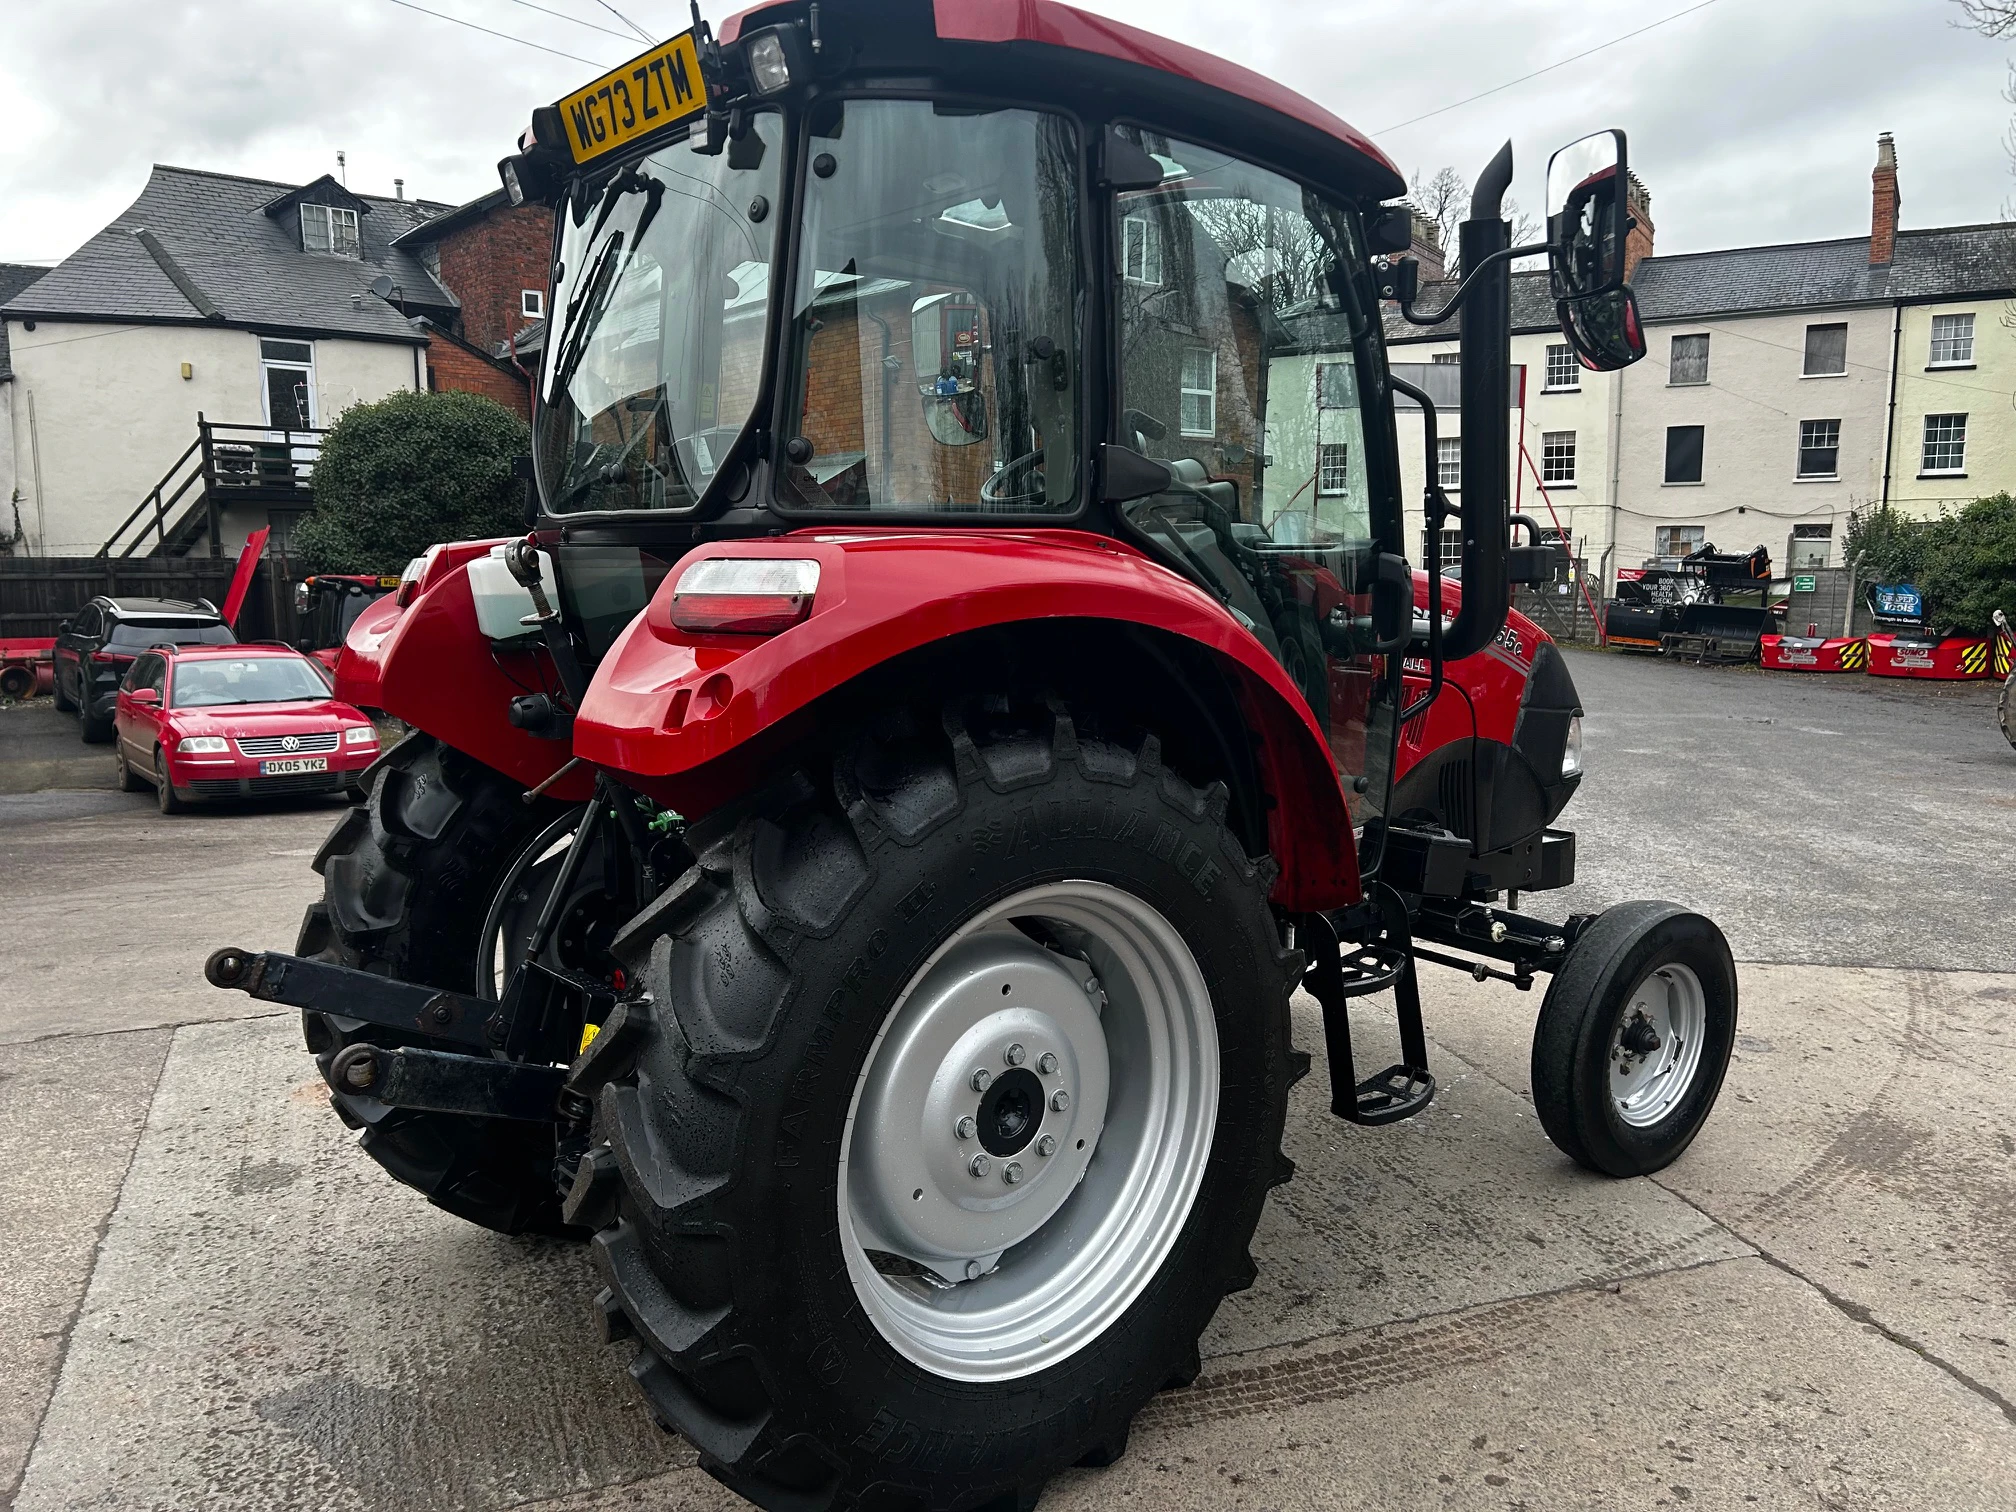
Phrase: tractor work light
(1571, 754)
(769, 62)
(744, 595)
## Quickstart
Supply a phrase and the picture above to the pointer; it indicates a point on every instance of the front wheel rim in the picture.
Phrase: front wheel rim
(1655, 1046)
(991, 1226)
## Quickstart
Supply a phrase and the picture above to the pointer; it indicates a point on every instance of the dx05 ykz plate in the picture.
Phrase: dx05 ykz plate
(288, 766)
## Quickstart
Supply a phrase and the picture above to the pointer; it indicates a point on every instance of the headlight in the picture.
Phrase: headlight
(196, 745)
(360, 735)
(1571, 754)
(769, 67)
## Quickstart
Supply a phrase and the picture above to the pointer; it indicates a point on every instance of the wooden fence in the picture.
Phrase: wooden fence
(39, 593)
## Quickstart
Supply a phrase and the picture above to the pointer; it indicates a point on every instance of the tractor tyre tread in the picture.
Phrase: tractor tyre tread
(404, 876)
(694, 1128)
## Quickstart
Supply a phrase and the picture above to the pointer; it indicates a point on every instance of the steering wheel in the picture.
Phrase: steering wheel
(996, 489)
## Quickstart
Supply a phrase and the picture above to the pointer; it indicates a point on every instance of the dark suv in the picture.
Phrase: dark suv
(96, 645)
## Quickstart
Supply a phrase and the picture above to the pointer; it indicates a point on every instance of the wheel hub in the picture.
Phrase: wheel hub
(1656, 1047)
(963, 1144)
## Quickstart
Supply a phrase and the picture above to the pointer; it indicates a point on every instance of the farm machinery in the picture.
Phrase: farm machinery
(857, 849)
(1689, 607)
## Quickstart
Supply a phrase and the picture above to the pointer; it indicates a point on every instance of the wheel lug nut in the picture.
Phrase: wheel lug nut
(1012, 1172)
(1015, 1055)
(982, 1079)
(979, 1165)
(1047, 1145)
(973, 1271)
(1060, 1099)
(1047, 1064)
(966, 1128)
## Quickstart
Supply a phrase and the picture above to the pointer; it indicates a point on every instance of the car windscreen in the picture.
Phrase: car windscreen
(138, 635)
(216, 680)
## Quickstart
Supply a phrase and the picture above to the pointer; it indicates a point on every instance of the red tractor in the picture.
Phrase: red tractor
(327, 604)
(962, 676)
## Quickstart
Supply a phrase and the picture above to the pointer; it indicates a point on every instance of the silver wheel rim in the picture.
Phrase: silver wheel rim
(1655, 1050)
(981, 1258)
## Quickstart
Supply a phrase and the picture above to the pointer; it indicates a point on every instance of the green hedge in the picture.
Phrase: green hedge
(407, 472)
(1964, 563)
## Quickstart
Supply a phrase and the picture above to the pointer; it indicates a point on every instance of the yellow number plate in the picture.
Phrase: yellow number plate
(652, 90)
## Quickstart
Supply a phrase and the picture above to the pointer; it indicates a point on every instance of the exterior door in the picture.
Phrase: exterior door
(287, 377)
(1246, 336)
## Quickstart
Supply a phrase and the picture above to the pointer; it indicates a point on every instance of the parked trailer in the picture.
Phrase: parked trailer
(27, 666)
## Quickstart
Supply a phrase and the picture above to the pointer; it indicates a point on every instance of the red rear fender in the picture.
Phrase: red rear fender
(671, 706)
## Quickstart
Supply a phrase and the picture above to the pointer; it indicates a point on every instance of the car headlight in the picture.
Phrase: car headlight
(1571, 754)
(196, 745)
(360, 735)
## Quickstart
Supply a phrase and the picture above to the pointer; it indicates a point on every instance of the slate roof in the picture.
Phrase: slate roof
(432, 228)
(1946, 262)
(14, 277)
(209, 228)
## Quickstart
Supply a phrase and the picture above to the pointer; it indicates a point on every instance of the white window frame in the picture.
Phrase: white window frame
(1953, 442)
(1663, 542)
(1707, 348)
(1806, 350)
(1562, 356)
(532, 303)
(330, 217)
(1959, 347)
(1451, 544)
(1555, 446)
(1449, 463)
(1333, 469)
(1445, 359)
(288, 365)
(1150, 245)
(1799, 464)
(1209, 393)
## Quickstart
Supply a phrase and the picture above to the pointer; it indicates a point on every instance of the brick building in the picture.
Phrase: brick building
(495, 257)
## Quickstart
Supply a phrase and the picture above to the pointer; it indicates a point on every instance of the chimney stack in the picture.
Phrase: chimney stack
(1426, 247)
(1885, 203)
(399, 189)
(1638, 241)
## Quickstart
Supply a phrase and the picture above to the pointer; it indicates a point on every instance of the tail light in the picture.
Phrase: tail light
(744, 595)
(111, 659)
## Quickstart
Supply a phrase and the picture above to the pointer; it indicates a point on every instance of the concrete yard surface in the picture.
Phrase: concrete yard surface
(212, 1300)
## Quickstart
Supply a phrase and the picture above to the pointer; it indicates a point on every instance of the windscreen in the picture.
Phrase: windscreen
(215, 681)
(935, 324)
(660, 292)
(138, 635)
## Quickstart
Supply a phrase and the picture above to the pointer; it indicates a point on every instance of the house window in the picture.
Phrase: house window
(1141, 243)
(1447, 358)
(1334, 386)
(1449, 462)
(1819, 448)
(327, 228)
(288, 371)
(532, 303)
(1683, 453)
(1689, 363)
(1945, 444)
(1678, 540)
(1333, 468)
(1564, 373)
(1952, 341)
(1810, 546)
(1557, 457)
(1200, 392)
(1826, 351)
(1448, 548)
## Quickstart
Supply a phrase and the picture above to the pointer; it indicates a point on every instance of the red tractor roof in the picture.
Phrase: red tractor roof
(1050, 24)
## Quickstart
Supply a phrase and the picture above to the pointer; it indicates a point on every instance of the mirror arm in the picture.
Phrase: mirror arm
(1532, 249)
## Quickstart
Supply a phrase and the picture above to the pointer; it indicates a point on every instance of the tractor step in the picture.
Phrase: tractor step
(1338, 973)
(1397, 1092)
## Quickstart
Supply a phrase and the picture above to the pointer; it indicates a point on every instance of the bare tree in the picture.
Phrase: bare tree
(1991, 18)
(1444, 198)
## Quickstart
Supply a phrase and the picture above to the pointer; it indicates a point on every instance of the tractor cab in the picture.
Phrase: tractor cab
(327, 604)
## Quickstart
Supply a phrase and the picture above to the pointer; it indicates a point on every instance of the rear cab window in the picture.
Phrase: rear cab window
(138, 635)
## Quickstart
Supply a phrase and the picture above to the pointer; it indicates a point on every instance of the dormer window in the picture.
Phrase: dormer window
(326, 228)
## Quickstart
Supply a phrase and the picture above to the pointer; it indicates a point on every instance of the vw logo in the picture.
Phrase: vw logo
(290, 742)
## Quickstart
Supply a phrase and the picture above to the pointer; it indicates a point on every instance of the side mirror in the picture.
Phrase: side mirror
(1587, 215)
(144, 696)
(945, 355)
(1603, 329)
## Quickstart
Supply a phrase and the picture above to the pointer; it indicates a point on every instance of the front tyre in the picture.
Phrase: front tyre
(963, 1094)
(1634, 1037)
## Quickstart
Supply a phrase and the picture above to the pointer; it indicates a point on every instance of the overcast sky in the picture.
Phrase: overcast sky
(1750, 120)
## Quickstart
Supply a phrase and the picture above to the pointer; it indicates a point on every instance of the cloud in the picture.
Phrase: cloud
(1751, 122)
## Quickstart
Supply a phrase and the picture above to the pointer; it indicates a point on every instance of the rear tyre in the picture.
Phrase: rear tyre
(847, 1295)
(165, 796)
(95, 729)
(1634, 1038)
(130, 781)
(414, 887)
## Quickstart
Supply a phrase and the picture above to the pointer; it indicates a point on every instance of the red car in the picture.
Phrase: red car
(241, 721)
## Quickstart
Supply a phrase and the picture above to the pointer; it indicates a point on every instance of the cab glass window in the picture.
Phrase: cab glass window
(934, 342)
